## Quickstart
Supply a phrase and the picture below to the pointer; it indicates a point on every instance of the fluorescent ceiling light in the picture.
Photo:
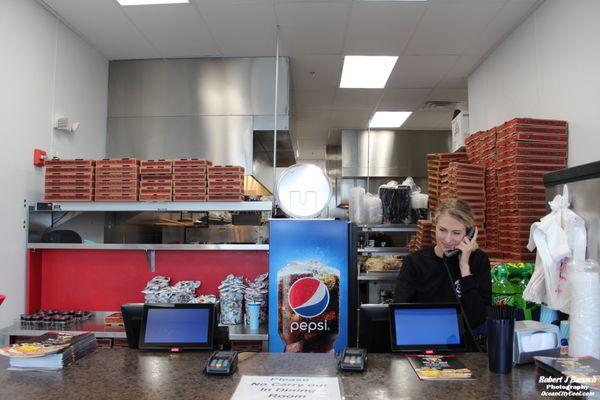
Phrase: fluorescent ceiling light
(389, 119)
(367, 72)
(149, 2)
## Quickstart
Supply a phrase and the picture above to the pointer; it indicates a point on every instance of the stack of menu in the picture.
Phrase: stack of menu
(49, 352)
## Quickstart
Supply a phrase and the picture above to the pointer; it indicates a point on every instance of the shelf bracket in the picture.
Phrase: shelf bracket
(151, 258)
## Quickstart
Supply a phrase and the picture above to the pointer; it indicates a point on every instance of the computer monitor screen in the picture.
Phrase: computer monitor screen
(132, 319)
(182, 326)
(374, 328)
(421, 327)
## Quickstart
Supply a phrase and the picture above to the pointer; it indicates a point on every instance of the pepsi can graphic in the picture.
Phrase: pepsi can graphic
(309, 306)
(308, 285)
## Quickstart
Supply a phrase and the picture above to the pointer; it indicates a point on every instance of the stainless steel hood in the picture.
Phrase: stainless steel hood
(206, 108)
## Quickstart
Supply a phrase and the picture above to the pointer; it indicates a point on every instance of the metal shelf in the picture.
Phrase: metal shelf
(379, 276)
(384, 250)
(162, 206)
(389, 228)
(146, 247)
(96, 326)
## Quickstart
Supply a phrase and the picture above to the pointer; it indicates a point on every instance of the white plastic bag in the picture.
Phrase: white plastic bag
(357, 209)
(374, 209)
(559, 237)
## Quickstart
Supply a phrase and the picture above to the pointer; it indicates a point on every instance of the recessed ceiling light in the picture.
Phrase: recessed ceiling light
(389, 119)
(366, 72)
(149, 2)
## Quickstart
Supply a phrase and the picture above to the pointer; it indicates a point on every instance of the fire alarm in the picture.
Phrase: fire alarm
(38, 157)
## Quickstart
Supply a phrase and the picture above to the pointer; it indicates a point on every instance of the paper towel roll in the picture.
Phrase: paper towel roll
(584, 321)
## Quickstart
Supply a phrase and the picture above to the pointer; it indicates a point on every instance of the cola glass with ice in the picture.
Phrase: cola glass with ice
(308, 306)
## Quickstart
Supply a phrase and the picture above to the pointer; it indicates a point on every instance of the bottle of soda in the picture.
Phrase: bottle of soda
(503, 292)
(526, 306)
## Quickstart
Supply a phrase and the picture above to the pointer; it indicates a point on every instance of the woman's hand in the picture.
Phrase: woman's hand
(466, 246)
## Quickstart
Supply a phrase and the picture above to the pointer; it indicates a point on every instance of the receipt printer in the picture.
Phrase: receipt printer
(533, 338)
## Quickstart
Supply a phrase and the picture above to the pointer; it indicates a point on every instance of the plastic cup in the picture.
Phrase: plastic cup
(253, 311)
(500, 345)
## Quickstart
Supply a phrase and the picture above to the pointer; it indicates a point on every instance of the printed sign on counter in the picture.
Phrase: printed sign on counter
(287, 387)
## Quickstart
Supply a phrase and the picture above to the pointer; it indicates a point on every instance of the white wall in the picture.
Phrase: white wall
(549, 67)
(45, 69)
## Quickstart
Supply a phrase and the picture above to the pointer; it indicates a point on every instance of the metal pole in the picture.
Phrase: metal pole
(275, 117)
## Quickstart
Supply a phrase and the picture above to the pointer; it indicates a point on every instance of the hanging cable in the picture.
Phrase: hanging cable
(275, 118)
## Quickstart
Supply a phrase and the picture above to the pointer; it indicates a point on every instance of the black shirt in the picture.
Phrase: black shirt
(423, 279)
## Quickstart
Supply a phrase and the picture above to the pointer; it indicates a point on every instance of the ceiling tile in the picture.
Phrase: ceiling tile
(381, 28)
(312, 28)
(402, 99)
(314, 99)
(420, 71)
(429, 120)
(357, 99)
(452, 27)
(448, 95)
(104, 25)
(327, 71)
(458, 74)
(350, 119)
(510, 16)
(242, 29)
(177, 32)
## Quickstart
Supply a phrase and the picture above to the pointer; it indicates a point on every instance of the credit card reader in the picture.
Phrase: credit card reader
(353, 359)
(221, 363)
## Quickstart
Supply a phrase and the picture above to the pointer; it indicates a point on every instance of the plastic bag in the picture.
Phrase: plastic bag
(559, 237)
(357, 209)
(374, 209)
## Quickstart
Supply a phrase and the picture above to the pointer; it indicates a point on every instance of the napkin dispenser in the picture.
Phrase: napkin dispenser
(533, 338)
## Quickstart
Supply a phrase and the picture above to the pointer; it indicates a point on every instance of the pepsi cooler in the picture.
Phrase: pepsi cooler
(312, 270)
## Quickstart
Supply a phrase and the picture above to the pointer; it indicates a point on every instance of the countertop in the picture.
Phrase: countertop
(121, 373)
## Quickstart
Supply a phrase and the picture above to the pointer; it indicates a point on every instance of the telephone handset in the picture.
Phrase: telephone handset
(456, 252)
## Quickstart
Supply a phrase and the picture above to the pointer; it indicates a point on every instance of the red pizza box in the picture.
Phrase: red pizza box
(523, 136)
(117, 197)
(189, 197)
(189, 181)
(225, 198)
(532, 153)
(532, 207)
(538, 130)
(518, 219)
(69, 197)
(157, 163)
(518, 145)
(66, 183)
(68, 191)
(199, 170)
(226, 185)
(191, 162)
(155, 197)
(108, 163)
(533, 163)
(68, 170)
(225, 191)
(517, 187)
(537, 122)
(516, 235)
(128, 185)
(225, 170)
(155, 190)
(78, 162)
(189, 191)
(156, 182)
(155, 170)
(507, 174)
(118, 169)
(111, 191)
(156, 176)
(511, 196)
(236, 179)
(72, 176)
(536, 183)
(518, 257)
(151, 188)
(525, 213)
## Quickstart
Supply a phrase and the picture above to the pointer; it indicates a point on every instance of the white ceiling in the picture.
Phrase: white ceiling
(439, 43)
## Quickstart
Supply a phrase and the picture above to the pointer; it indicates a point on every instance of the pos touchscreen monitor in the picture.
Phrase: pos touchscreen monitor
(177, 326)
(418, 327)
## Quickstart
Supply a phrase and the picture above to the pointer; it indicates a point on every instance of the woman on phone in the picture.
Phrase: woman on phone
(424, 276)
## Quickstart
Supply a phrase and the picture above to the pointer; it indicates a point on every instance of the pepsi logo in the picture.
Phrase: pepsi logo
(308, 297)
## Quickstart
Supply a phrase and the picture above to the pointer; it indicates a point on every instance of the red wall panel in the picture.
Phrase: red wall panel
(102, 280)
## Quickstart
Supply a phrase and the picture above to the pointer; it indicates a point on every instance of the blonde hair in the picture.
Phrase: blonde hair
(458, 209)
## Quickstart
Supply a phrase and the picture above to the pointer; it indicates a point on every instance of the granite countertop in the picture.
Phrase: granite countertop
(122, 373)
